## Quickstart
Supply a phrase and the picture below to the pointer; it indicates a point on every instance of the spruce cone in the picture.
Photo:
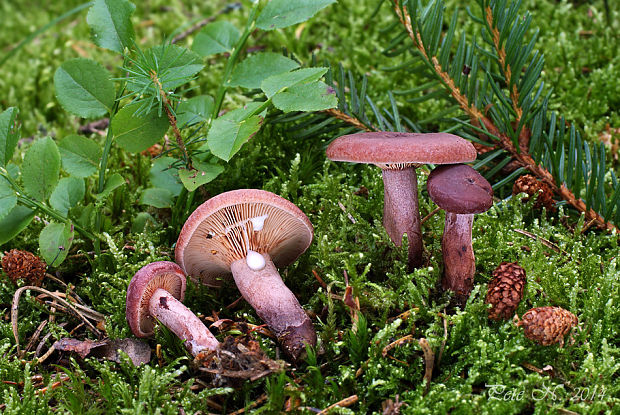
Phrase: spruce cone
(548, 325)
(528, 184)
(505, 290)
(24, 265)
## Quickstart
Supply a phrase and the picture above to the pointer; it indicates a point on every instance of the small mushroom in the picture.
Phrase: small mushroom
(461, 191)
(247, 233)
(398, 155)
(155, 293)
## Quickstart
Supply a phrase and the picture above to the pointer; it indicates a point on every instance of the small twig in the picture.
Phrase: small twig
(253, 405)
(204, 22)
(63, 378)
(430, 215)
(319, 279)
(545, 242)
(234, 303)
(429, 360)
(345, 403)
(15, 311)
(344, 209)
(43, 358)
(445, 338)
(403, 340)
(35, 336)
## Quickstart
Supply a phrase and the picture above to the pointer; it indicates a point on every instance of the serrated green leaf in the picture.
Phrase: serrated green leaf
(54, 242)
(315, 96)
(110, 24)
(203, 173)
(227, 135)
(217, 37)
(8, 198)
(83, 87)
(163, 175)
(113, 182)
(68, 193)
(175, 65)
(253, 70)
(282, 13)
(137, 133)
(80, 155)
(41, 168)
(157, 197)
(276, 83)
(195, 110)
(14, 222)
(9, 135)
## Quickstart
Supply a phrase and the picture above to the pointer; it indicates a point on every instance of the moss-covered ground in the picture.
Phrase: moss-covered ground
(480, 366)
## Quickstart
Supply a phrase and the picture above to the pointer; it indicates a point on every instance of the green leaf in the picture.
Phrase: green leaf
(203, 173)
(277, 83)
(175, 65)
(83, 87)
(68, 193)
(253, 70)
(137, 133)
(114, 181)
(54, 242)
(80, 155)
(157, 197)
(16, 221)
(194, 110)
(282, 13)
(230, 131)
(142, 220)
(217, 37)
(164, 176)
(110, 24)
(315, 96)
(8, 198)
(9, 135)
(41, 168)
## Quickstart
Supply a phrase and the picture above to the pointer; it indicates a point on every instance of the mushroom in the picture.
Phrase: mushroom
(398, 155)
(461, 191)
(155, 293)
(247, 233)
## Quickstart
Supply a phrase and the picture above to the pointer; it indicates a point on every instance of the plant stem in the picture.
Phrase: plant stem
(232, 60)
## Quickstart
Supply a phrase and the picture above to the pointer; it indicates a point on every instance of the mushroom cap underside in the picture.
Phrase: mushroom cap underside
(459, 189)
(224, 228)
(395, 148)
(162, 274)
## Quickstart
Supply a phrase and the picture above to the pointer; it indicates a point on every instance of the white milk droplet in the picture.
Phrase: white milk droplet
(255, 261)
(258, 222)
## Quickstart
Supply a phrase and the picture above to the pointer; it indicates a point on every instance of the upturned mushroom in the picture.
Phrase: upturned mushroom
(398, 155)
(247, 233)
(461, 191)
(155, 294)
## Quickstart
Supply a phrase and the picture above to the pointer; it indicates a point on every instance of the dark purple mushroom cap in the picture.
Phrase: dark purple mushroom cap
(224, 228)
(459, 189)
(393, 148)
(163, 274)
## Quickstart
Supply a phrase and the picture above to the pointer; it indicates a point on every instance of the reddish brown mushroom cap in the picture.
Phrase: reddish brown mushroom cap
(459, 189)
(386, 148)
(163, 274)
(224, 228)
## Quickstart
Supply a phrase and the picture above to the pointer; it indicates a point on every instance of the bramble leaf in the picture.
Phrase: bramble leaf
(8, 198)
(83, 87)
(80, 156)
(194, 110)
(68, 193)
(203, 173)
(277, 83)
(41, 168)
(110, 23)
(112, 182)
(135, 133)
(9, 135)
(282, 13)
(233, 129)
(164, 175)
(217, 37)
(250, 72)
(315, 96)
(14, 222)
(156, 197)
(54, 242)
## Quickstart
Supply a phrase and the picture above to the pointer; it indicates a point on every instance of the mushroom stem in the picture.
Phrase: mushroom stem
(276, 305)
(400, 211)
(181, 321)
(458, 254)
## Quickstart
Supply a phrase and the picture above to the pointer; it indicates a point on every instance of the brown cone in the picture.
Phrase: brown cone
(24, 265)
(548, 325)
(505, 290)
(531, 186)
